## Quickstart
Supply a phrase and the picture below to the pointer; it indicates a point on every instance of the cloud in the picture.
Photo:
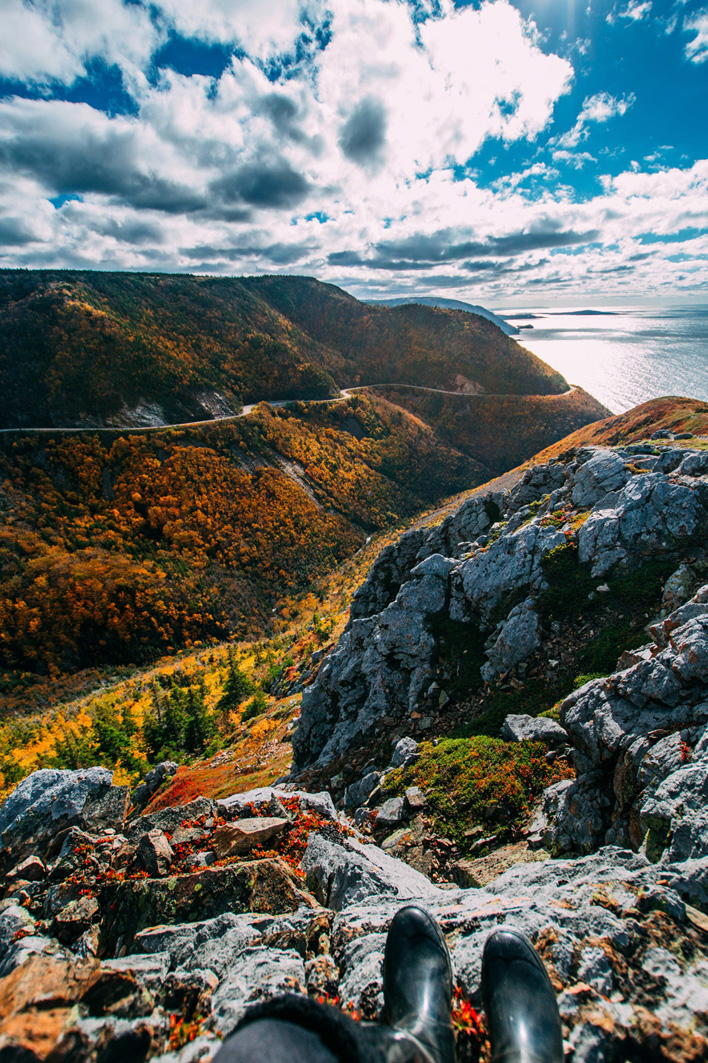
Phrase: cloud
(261, 185)
(260, 28)
(598, 108)
(696, 50)
(71, 148)
(634, 11)
(334, 137)
(363, 135)
(52, 40)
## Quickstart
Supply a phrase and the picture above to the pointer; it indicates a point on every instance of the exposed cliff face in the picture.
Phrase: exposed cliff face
(489, 575)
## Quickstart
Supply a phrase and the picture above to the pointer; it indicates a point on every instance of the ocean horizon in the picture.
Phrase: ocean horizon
(623, 356)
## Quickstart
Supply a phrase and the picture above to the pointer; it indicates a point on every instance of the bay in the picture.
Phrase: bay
(622, 356)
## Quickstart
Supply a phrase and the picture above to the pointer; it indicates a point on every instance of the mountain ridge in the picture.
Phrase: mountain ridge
(78, 347)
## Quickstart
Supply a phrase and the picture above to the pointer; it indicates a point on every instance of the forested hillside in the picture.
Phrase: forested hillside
(81, 348)
(118, 548)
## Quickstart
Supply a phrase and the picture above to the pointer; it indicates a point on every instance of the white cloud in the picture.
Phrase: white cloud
(696, 50)
(634, 11)
(259, 27)
(53, 39)
(225, 175)
(598, 108)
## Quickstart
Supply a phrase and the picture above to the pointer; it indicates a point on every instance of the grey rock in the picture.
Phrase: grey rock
(263, 796)
(695, 464)
(416, 800)
(361, 962)
(256, 973)
(435, 565)
(678, 588)
(405, 751)
(603, 473)
(358, 793)
(154, 853)
(390, 570)
(170, 820)
(523, 728)
(152, 782)
(344, 874)
(513, 640)
(203, 859)
(510, 565)
(648, 515)
(44, 803)
(538, 481)
(32, 869)
(106, 809)
(390, 814)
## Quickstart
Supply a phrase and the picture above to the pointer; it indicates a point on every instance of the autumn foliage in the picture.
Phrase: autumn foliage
(117, 548)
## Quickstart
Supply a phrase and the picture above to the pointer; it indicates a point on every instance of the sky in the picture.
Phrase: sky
(527, 153)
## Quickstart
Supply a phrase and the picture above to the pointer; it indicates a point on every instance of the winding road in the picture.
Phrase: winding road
(345, 393)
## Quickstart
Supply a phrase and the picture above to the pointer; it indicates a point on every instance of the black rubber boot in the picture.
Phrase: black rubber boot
(519, 1001)
(417, 984)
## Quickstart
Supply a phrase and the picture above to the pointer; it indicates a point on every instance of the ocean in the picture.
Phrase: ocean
(622, 356)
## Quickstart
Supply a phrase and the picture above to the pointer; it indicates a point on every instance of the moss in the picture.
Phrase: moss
(478, 781)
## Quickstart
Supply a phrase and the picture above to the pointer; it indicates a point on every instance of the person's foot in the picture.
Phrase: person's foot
(519, 1001)
(417, 982)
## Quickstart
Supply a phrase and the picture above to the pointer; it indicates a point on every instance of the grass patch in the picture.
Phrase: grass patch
(479, 781)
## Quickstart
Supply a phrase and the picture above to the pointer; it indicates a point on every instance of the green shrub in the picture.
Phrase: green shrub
(479, 781)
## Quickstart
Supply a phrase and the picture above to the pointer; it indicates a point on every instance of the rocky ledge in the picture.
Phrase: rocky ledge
(126, 936)
(482, 584)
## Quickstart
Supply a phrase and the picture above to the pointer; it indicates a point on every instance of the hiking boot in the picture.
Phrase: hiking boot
(519, 1001)
(417, 984)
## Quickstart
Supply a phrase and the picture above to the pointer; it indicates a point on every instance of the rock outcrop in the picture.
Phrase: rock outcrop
(627, 955)
(482, 573)
(640, 740)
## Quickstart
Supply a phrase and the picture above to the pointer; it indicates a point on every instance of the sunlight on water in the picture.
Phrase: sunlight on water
(623, 357)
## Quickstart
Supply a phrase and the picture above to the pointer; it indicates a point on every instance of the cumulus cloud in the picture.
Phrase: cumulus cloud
(52, 40)
(341, 138)
(363, 135)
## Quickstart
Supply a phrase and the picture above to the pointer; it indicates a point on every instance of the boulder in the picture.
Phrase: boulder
(43, 804)
(75, 919)
(640, 738)
(262, 797)
(30, 870)
(603, 473)
(250, 886)
(169, 820)
(391, 814)
(523, 728)
(404, 752)
(359, 792)
(513, 640)
(244, 834)
(106, 809)
(416, 800)
(342, 873)
(154, 854)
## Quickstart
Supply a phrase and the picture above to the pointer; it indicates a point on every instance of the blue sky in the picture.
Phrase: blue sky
(542, 151)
